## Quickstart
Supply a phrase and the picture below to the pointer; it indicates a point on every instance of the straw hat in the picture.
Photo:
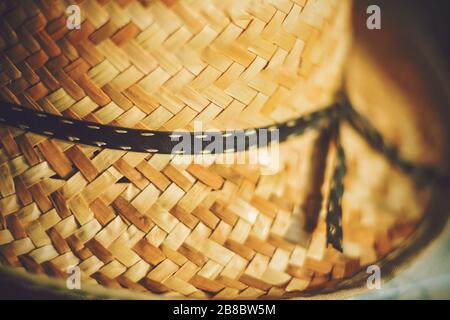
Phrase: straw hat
(174, 225)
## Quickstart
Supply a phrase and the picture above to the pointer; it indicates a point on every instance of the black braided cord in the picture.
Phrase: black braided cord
(334, 204)
(165, 142)
(152, 141)
(421, 173)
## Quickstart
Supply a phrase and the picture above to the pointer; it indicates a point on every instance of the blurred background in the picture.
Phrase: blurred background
(429, 276)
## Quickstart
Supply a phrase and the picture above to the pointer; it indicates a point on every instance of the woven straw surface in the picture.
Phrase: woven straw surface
(139, 221)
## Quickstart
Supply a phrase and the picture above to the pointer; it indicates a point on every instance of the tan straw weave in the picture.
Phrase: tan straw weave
(143, 222)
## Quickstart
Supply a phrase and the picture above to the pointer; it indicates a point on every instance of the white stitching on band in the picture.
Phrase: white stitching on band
(250, 132)
(291, 123)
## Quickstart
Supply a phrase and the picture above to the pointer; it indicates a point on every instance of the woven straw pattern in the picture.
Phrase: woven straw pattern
(138, 221)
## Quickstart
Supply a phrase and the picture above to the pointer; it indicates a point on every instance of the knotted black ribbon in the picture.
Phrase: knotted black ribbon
(153, 141)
